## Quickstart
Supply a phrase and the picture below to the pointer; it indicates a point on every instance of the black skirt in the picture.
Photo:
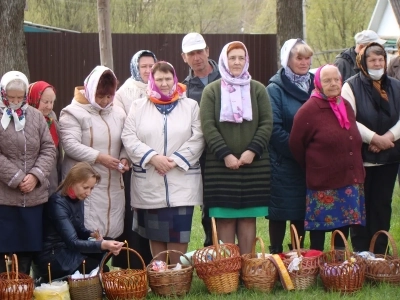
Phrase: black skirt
(21, 228)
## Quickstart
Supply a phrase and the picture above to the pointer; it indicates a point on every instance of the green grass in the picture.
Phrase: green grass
(369, 291)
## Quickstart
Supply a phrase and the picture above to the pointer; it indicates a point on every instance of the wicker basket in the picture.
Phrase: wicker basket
(337, 277)
(387, 270)
(85, 288)
(307, 274)
(15, 285)
(124, 284)
(171, 282)
(218, 265)
(295, 243)
(258, 273)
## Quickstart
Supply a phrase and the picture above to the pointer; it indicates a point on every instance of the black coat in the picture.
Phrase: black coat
(288, 179)
(377, 114)
(65, 238)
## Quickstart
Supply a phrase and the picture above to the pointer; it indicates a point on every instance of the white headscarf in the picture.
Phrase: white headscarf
(17, 115)
(91, 83)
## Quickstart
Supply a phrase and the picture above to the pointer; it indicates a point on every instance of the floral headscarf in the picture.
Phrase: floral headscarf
(336, 103)
(35, 92)
(156, 96)
(134, 65)
(91, 83)
(17, 115)
(235, 91)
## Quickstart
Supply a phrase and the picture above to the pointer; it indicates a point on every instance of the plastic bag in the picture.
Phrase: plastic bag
(58, 290)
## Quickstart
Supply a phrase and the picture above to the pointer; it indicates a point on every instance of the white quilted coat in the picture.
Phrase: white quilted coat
(85, 133)
(177, 135)
(128, 92)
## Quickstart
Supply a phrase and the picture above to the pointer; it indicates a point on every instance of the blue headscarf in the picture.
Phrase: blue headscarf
(134, 66)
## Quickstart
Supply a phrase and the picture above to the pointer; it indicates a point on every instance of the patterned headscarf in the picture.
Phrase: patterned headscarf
(336, 103)
(35, 92)
(8, 113)
(362, 65)
(91, 83)
(156, 96)
(134, 65)
(235, 91)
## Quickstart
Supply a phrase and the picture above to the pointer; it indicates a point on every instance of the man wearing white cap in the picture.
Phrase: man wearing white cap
(346, 61)
(202, 71)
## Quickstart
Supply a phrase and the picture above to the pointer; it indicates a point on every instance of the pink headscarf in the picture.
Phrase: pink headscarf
(157, 96)
(336, 103)
(235, 91)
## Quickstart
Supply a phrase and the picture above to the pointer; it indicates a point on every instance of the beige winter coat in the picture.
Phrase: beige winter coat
(85, 133)
(29, 151)
(130, 91)
(178, 135)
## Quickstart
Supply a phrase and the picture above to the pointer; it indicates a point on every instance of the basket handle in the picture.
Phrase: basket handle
(214, 235)
(123, 248)
(390, 238)
(346, 245)
(295, 239)
(169, 251)
(14, 265)
(253, 248)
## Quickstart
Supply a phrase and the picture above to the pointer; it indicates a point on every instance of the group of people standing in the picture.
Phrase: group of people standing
(133, 160)
(130, 164)
(334, 144)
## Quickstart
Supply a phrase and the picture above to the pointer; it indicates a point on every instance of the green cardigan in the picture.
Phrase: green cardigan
(249, 186)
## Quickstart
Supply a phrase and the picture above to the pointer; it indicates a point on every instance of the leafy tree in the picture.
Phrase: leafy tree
(331, 25)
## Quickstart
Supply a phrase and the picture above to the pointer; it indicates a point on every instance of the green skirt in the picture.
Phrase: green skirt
(231, 213)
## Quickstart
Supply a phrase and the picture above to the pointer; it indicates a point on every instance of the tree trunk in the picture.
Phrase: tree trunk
(105, 42)
(13, 56)
(289, 18)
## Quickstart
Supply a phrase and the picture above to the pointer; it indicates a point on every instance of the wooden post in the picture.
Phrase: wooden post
(105, 41)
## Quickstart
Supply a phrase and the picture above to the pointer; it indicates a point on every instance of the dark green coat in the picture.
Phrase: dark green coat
(249, 186)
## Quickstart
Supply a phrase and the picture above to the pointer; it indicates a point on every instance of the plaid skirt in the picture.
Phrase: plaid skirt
(168, 225)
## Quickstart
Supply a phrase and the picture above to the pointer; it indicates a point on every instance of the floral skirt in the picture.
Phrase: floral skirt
(331, 209)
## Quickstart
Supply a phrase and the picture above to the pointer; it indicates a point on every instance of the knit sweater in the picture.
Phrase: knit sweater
(247, 186)
(330, 154)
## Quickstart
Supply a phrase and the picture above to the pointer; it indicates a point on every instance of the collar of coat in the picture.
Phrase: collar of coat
(79, 96)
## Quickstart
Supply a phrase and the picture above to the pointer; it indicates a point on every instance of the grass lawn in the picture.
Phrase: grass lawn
(369, 291)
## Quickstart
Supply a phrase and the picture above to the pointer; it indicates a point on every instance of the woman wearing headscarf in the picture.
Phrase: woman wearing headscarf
(375, 98)
(41, 95)
(163, 138)
(91, 130)
(27, 155)
(326, 143)
(135, 86)
(236, 118)
(288, 90)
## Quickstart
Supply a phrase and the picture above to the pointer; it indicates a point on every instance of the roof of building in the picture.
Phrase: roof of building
(385, 20)
(33, 27)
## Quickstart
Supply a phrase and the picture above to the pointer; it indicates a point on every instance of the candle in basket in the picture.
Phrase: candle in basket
(83, 266)
(6, 259)
(48, 267)
(127, 253)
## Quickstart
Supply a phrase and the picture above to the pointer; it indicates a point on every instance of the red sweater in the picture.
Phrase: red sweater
(330, 154)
